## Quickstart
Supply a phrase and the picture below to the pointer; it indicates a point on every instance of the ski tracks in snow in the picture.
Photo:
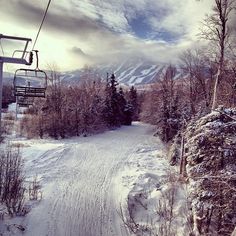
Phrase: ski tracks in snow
(80, 197)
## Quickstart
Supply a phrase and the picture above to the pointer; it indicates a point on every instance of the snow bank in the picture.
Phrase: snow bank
(151, 198)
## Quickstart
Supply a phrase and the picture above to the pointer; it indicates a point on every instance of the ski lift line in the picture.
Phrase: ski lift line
(40, 27)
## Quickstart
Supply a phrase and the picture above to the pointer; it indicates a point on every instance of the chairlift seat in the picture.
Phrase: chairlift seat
(30, 83)
(25, 101)
(29, 92)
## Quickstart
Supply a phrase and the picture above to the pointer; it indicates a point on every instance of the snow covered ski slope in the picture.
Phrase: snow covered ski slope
(79, 184)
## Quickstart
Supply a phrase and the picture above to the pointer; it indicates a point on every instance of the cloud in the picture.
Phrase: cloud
(107, 30)
(60, 20)
(78, 52)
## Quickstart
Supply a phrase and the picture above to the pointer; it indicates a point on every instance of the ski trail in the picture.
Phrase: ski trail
(79, 194)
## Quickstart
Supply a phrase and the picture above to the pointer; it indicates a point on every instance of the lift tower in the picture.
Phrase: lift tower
(14, 60)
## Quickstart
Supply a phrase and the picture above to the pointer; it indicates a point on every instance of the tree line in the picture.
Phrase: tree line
(208, 76)
(90, 107)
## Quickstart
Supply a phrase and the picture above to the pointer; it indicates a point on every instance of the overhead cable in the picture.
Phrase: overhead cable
(45, 13)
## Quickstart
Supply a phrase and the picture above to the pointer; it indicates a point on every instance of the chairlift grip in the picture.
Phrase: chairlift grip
(37, 59)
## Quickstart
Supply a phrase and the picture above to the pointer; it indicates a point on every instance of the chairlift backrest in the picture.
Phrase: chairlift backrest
(30, 83)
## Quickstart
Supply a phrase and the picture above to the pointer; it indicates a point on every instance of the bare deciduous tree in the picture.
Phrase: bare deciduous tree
(199, 80)
(217, 30)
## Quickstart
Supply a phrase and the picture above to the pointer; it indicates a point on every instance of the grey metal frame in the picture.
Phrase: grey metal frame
(13, 60)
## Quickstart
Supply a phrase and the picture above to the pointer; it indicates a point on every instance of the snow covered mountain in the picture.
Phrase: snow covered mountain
(127, 73)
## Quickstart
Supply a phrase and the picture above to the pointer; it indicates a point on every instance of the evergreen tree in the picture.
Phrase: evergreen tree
(115, 109)
(111, 109)
(122, 104)
(133, 101)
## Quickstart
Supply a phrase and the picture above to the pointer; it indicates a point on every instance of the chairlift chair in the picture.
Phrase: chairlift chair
(24, 101)
(30, 82)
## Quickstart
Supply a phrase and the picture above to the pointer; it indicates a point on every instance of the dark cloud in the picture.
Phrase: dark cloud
(60, 20)
(21, 11)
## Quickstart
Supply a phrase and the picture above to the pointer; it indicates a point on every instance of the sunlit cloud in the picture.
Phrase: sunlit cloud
(90, 31)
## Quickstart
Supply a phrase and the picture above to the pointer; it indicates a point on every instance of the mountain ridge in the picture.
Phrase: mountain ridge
(128, 73)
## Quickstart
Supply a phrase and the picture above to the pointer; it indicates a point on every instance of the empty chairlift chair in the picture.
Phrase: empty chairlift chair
(30, 82)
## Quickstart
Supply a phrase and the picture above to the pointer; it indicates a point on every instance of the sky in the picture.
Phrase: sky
(83, 32)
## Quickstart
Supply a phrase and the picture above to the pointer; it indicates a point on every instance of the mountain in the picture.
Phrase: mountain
(127, 73)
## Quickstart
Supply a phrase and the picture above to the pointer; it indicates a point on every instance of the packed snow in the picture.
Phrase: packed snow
(85, 182)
